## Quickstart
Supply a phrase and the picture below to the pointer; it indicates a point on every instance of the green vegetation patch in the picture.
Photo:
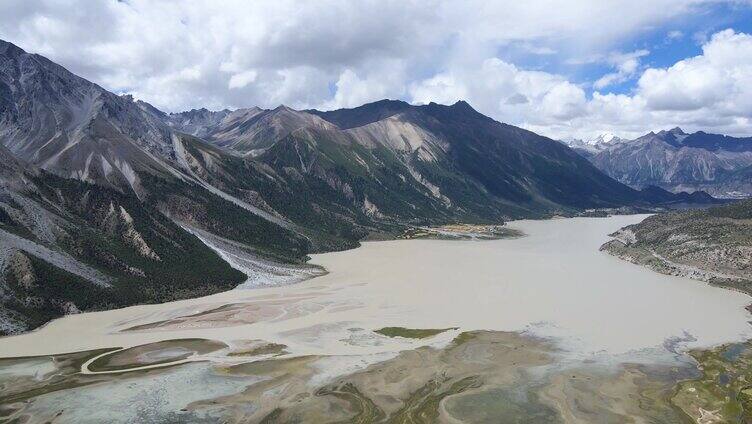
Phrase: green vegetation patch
(411, 333)
(265, 349)
(464, 337)
(723, 392)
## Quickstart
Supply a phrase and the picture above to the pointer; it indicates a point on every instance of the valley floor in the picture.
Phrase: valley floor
(539, 328)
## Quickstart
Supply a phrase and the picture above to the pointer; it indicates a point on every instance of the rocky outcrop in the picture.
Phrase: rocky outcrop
(19, 266)
(134, 239)
(713, 245)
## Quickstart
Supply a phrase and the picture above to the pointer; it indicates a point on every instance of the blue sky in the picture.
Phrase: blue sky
(667, 43)
(680, 38)
(563, 68)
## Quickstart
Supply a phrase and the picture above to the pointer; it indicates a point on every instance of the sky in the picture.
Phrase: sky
(565, 69)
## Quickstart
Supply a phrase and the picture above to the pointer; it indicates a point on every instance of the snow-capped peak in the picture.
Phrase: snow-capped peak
(603, 138)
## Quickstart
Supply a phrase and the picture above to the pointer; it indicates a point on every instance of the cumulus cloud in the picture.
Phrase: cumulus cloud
(179, 55)
(381, 80)
(711, 91)
(719, 78)
(626, 65)
(505, 91)
(564, 101)
(241, 79)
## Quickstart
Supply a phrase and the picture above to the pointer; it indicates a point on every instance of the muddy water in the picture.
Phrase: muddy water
(552, 282)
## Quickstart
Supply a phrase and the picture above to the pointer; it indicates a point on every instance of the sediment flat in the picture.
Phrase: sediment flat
(564, 321)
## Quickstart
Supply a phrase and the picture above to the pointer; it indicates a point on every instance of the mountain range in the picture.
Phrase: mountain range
(676, 161)
(106, 201)
(591, 146)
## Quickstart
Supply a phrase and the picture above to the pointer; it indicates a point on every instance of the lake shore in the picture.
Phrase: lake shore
(504, 285)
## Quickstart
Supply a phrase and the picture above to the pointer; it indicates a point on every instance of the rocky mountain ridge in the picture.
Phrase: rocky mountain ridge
(590, 146)
(677, 161)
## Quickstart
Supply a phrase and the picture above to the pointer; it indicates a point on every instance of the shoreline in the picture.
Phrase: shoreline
(716, 403)
(296, 273)
(265, 303)
(313, 271)
(646, 258)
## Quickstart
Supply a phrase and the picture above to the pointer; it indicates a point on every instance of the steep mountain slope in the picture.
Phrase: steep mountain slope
(97, 198)
(68, 245)
(245, 131)
(318, 222)
(363, 115)
(76, 129)
(592, 146)
(471, 161)
(522, 166)
(196, 122)
(419, 165)
(681, 162)
(386, 164)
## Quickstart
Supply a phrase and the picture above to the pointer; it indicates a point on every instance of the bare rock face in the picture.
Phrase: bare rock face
(249, 131)
(134, 238)
(676, 161)
(22, 270)
(196, 122)
(74, 128)
(69, 308)
(117, 222)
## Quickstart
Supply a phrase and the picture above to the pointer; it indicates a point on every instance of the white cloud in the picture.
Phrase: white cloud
(674, 35)
(375, 82)
(442, 88)
(564, 101)
(136, 45)
(199, 53)
(242, 79)
(506, 92)
(712, 92)
(626, 65)
(719, 79)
